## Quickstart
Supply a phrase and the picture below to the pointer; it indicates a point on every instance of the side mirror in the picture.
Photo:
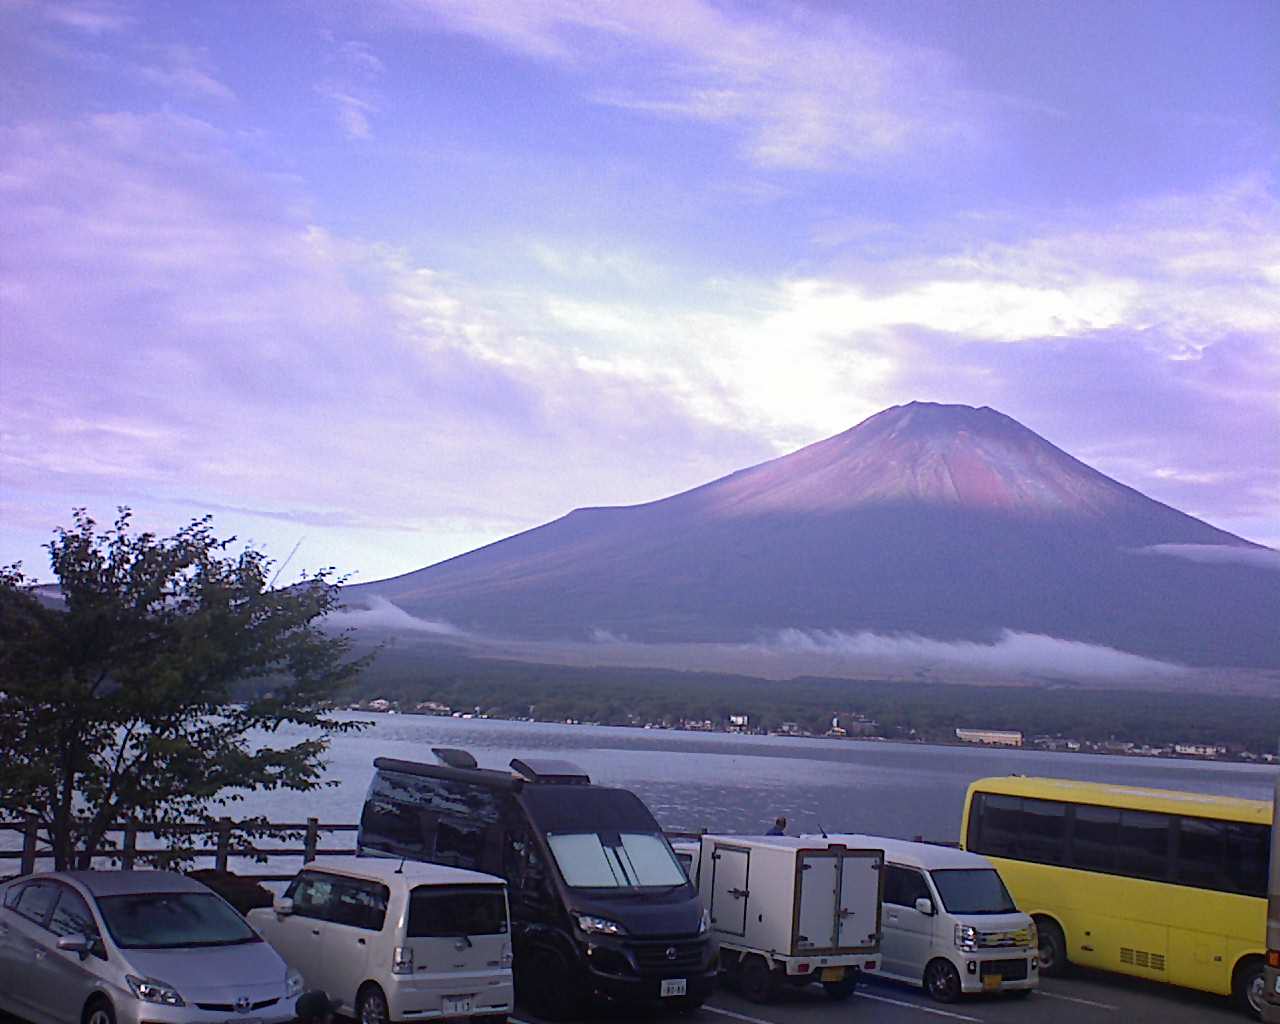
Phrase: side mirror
(282, 905)
(924, 905)
(81, 945)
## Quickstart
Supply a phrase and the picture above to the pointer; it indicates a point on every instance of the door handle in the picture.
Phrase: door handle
(359, 942)
(315, 931)
(738, 894)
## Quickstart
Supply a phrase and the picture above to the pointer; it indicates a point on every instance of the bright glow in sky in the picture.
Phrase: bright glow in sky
(397, 278)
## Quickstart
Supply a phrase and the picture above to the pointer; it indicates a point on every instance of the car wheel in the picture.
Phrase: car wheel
(942, 980)
(1248, 985)
(371, 1006)
(99, 1011)
(550, 987)
(842, 989)
(758, 980)
(1053, 948)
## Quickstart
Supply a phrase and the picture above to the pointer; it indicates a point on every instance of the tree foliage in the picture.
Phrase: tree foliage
(156, 684)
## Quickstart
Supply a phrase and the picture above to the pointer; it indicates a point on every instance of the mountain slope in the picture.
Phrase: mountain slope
(946, 521)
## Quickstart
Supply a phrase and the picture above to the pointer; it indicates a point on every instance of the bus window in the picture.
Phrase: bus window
(1043, 832)
(1000, 817)
(1247, 858)
(1093, 841)
(1201, 846)
(1143, 850)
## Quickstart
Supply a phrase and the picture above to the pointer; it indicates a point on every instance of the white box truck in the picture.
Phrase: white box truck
(791, 911)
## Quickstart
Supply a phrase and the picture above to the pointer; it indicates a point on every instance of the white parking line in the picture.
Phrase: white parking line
(736, 1016)
(917, 1006)
(1076, 999)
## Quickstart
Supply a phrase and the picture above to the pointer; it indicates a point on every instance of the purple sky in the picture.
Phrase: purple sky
(396, 278)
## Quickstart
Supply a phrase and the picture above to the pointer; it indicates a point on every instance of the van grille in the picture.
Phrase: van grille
(1009, 970)
(1142, 958)
(654, 958)
(1001, 940)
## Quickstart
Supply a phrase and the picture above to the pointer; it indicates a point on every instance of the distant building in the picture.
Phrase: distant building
(739, 723)
(1199, 749)
(379, 704)
(990, 737)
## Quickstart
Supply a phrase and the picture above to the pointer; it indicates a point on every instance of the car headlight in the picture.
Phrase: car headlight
(1033, 936)
(151, 991)
(704, 924)
(966, 938)
(593, 925)
(292, 984)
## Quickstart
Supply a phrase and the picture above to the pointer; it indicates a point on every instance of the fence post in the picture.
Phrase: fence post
(224, 844)
(29, 833)
(312, 840)
(129, 845)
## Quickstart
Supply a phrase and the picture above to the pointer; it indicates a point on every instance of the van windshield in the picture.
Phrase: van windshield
(615, 860)
(972, 891)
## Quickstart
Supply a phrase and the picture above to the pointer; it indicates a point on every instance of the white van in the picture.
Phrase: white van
(396, 941)
(949, 923)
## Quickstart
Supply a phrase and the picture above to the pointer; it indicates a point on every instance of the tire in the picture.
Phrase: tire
(942, 980)
(687, 1004)
(758, 981)
(550, 987)
(371, 1006)
(1248, 984)
(99, 1011)
(1053, 948)
(842, 989)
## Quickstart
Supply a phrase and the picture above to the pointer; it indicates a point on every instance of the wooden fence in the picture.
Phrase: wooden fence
(221, 838)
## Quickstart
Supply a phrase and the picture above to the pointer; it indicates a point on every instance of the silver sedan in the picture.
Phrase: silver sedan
(134, 947)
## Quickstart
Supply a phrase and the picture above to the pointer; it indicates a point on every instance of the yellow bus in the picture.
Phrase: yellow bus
(1159, 884)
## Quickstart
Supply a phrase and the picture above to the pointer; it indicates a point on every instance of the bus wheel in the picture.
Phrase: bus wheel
(1248, 984)
(759, 983)
(1053, 948)
(942, 980)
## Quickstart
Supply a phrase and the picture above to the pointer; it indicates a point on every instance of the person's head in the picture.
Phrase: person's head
(780, 823)
(314, 1008)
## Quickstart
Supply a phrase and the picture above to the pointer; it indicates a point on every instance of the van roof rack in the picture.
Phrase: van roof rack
(547, 770)
(454, 757)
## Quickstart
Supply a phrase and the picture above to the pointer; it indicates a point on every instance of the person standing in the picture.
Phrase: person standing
(779, 827)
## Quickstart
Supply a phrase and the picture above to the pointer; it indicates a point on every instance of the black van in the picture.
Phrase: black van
(599, 903)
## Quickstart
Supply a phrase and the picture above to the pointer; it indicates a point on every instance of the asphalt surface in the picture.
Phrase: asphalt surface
(1081, 999)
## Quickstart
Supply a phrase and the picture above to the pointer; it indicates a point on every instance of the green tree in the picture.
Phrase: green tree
(154, 687)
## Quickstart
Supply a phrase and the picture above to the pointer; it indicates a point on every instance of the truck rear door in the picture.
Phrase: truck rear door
(859, 914)
(819, 895)
(730, 873)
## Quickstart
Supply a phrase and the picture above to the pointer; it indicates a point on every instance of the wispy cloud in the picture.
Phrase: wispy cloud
(353, 113)
(1216, 554)
(803, 90)
(184, 70)
(380, 615)
(88, 17)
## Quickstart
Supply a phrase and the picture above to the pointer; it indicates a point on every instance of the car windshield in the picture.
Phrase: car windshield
(173, 920)
(973, 891)
(615, 860)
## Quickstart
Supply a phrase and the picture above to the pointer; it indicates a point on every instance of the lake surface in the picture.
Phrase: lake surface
(740, 783)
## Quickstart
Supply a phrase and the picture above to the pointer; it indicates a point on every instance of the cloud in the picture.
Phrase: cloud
(352, 112)
(803, 90)
(382, 615)
(1217, 554)
(92, 18)
(184, 70)
(1019, 653)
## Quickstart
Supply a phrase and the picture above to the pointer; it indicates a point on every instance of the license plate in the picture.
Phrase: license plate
(992, 982)
(673, 987)
(832, 974)
(455, 1004)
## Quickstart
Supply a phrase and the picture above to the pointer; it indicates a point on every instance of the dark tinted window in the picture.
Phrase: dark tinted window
(1093, 842)
(1202, 846)
(442, 820)
(1043, 832)
(173, 920)
(903, 886)
(359, 903)
(35, 900)
(1248, 854)
(455, 911)
(999, 821)
(71, 915)
(1143, 848)
(459, 842)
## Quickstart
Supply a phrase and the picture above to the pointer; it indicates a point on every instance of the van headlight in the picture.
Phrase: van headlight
(704, 923)
(593, 925)
(151, 991)
(966, 938)
(292, 984)
(1033, 936)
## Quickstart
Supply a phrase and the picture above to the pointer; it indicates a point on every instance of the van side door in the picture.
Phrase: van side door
(908, 934)
(351, 935)
(296, 936)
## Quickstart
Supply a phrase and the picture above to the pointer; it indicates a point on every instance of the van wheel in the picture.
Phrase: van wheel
(99, 1011)
(842, 989)
(1053, 948)
(1248, 985)
(371, 1006)
(758, 980)
(942, 980)
(550, 987)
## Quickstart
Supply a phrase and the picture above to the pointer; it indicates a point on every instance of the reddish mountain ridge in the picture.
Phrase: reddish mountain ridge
(947, 521)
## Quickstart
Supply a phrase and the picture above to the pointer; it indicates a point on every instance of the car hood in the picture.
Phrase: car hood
(678, 914)
(212, 973)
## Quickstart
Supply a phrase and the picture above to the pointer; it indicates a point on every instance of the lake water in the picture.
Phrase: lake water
(740, 783)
